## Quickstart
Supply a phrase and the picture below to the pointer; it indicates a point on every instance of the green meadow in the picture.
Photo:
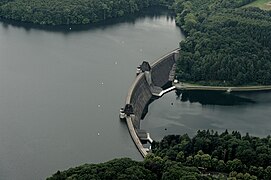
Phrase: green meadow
(263, 4)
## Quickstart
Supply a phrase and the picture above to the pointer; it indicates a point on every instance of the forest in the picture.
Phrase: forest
(208, 155)
(229, 153)
(63, 12)
(226, 44)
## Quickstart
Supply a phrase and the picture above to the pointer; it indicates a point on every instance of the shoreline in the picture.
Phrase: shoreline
(147, 11)
(190, 87)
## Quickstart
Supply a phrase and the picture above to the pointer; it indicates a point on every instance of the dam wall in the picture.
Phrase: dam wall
(140, 93)
(161, 68)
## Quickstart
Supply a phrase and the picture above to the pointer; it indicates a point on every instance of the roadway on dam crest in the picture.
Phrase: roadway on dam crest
(187, 86)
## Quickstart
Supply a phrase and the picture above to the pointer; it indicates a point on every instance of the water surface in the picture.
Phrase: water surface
(61, 90)
(187, 112)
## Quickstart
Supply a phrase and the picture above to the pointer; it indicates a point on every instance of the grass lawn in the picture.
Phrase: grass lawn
(263, 4)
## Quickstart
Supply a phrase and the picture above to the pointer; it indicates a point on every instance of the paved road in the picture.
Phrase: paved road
(186, 86)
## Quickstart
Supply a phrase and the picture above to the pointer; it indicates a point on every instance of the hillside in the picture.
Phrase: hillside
(226, 43)
(206, 156)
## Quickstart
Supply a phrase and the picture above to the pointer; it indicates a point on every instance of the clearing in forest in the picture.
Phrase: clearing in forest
(263, 4)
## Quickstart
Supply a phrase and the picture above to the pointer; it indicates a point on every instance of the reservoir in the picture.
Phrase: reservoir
(61, 91)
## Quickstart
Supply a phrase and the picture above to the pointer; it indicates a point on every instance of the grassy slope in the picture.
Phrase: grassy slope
(263, 4)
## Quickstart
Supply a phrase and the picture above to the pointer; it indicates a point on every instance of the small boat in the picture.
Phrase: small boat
(122, 115)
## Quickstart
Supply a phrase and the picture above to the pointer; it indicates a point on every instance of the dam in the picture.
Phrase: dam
(149, 83)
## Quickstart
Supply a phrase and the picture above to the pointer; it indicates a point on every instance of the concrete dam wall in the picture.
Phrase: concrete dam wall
(161, 68)
(141, 92)
(139, 95)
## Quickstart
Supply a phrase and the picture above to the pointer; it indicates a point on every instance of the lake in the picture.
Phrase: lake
(61, 91)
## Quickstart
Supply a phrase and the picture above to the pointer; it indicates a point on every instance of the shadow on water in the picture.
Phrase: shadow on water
(153, 12)
(213, 98)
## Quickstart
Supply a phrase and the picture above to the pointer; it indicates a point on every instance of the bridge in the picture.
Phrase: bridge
(161, 93)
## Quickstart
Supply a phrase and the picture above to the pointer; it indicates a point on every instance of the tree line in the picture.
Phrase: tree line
(61, 12)
(207, 156)
(226, 43)
(229, 153)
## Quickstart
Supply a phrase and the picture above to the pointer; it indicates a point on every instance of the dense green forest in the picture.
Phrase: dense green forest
(226, 43)
(225, 153)
(125, 169)
(208, 155)
(60, 12)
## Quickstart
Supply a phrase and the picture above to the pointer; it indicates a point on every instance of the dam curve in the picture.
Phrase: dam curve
(148, 83)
